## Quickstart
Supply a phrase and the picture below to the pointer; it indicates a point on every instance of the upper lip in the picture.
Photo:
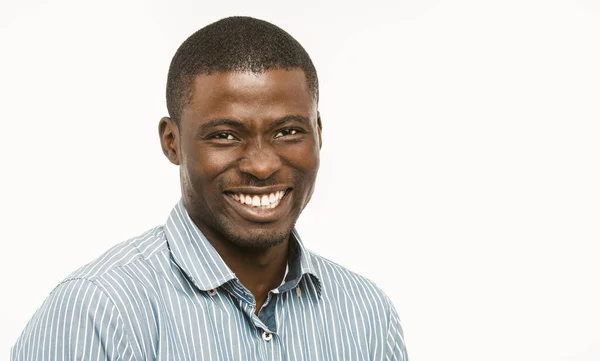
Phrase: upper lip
(257, 190)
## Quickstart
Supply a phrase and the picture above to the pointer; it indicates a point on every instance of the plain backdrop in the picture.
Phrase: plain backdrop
(460, 168)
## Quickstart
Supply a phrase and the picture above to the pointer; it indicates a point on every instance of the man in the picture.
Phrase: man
(227, 277)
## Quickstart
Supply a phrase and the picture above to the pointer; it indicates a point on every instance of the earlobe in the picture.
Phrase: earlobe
(169, 139)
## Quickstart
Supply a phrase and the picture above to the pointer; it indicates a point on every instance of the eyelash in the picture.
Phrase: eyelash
(296, 131)
(228, 135)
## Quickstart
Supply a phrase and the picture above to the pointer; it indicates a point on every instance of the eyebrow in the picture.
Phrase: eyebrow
(288, 119)
(218, 122)
(238, 124)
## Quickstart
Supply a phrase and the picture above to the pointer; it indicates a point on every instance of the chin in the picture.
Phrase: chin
(260, 238)
(227, 226)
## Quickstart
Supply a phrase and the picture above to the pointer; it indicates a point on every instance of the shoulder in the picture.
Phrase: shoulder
(97, 299)
(76, 315)
(359, 302)
(341, 284)
(96, 303)
(135, 250)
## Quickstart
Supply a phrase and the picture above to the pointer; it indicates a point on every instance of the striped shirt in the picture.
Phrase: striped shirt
(168, 295)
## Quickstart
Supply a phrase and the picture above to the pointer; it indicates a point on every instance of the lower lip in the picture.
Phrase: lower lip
(258, 214)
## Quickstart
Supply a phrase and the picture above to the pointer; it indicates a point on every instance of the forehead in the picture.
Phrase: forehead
(269, 94)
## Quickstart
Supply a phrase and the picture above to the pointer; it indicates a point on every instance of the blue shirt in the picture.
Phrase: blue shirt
(168, 295)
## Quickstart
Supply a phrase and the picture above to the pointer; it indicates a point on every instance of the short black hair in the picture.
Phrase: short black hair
(235, 43)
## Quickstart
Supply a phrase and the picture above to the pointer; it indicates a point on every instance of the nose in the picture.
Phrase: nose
(260, 161)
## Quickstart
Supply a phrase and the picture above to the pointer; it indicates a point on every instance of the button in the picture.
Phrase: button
(212, 292)
(298, 291)
(267, 336)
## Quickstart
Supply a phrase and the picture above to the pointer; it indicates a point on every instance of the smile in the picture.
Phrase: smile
(270, 200)
(260, 205)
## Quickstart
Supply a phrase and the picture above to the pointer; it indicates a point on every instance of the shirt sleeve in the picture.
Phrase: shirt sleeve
(78, 321)
(395, 346)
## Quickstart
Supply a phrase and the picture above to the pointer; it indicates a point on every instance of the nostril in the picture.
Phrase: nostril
(261, 165)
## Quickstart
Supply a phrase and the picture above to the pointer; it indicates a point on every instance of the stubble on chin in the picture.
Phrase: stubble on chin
(257, 239)
(220, 226)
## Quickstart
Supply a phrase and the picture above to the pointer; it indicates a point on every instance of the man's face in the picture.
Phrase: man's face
(248, 149)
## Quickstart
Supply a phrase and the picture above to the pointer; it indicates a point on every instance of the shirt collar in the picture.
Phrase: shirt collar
(203, 265)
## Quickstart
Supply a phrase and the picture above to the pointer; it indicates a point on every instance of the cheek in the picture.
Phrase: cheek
(307, 164)
(307, 156)
(205, 165)
(305, 160)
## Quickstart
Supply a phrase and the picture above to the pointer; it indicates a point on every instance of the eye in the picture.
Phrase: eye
(223, 136)
(286, 132)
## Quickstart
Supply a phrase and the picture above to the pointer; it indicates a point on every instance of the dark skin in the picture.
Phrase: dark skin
(252, 134)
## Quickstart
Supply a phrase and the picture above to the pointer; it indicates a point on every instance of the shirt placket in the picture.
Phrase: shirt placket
(266, 323)
(263, 328)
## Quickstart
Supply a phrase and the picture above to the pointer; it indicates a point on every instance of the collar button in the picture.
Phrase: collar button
(267, 336)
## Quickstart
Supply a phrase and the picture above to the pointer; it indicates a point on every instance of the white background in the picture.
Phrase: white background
(460, 168)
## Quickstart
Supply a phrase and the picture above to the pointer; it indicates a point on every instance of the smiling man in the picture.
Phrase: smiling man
(226, 277)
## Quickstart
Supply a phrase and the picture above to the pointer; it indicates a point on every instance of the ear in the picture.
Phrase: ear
(168, 132)
(319, 129)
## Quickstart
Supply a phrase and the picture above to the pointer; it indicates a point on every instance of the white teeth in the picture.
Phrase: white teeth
(263, 201)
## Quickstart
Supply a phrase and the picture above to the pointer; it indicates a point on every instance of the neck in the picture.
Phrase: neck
(260, 270)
